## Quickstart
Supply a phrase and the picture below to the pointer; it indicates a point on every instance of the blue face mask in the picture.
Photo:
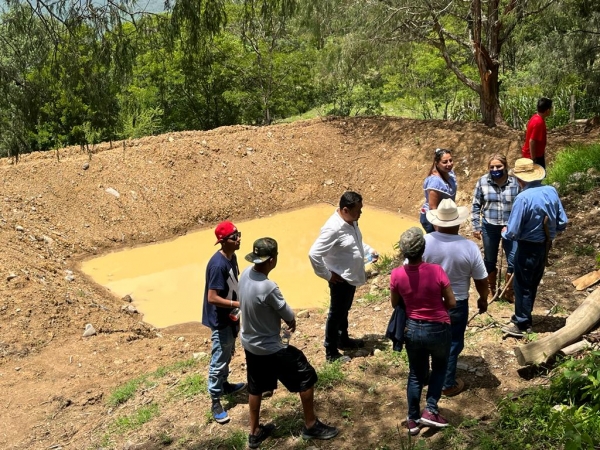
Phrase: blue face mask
(496, 173)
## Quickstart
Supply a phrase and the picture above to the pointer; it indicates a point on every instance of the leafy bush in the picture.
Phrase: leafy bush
(576, 169)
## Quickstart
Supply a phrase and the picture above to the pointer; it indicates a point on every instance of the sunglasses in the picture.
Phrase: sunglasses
(234, 236)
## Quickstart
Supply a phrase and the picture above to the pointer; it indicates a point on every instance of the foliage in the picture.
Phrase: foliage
(576, 168)
(330, 375)
(137, 419)
(128, 390)
(563, 415)
(192, 385)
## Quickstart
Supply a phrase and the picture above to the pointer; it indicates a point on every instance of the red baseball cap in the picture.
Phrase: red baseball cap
(223, 230)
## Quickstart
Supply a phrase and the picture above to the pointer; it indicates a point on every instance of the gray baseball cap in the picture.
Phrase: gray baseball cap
(412, 242)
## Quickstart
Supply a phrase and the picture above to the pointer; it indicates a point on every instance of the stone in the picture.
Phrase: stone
(47, 239)
(11, 276)
(129, 309)
(328, 182)
(550, 274)
(112, 191)
(377, 308)
(181, 339)
(127, 298)
(200, 355)
(70, 278)
(462, 366)
(86, 166)
(89, 330)
(377, 352)
(19, 228)
(305, 314)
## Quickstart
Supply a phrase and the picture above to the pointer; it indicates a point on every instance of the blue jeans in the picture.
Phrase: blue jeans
(459, 316)
(426, 224)
(530, 261)
(223, 344)
(424, 340)
(336, 327)
(490, 234)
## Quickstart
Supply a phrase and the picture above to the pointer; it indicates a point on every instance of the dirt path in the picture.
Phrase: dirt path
(54, 384)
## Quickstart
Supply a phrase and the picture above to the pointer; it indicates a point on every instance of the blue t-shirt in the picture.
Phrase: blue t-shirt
(435, 183)
(221, 276)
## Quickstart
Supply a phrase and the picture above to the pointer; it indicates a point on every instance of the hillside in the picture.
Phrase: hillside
(56, 211)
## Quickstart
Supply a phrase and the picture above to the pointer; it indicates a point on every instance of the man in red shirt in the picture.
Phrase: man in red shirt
(535, 136)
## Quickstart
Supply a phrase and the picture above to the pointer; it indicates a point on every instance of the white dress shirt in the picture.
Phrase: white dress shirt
(340, 249)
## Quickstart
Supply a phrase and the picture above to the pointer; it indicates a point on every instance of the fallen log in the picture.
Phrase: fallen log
(582, 320)
(587, 280)
(575, 348)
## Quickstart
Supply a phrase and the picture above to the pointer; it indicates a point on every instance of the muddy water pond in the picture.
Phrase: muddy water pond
(166, 280)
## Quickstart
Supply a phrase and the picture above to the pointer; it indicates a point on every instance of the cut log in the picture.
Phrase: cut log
(587, 280)
(575, 348)
(582, 320)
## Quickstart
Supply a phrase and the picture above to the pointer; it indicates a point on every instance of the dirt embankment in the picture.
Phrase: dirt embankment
(54, 212)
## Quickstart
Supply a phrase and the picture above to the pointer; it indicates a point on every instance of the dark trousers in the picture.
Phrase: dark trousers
(336, 328)
(530, 261)
(541, 160)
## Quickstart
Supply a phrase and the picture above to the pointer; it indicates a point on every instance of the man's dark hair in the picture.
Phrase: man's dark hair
(350, 199)
(544, 104)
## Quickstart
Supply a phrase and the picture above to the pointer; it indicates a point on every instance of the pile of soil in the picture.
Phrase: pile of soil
(61, 207)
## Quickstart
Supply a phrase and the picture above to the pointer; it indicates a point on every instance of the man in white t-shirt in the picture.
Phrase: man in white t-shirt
(461, 260)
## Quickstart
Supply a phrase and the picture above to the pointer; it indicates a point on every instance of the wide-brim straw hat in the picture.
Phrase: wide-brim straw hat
(447, 214)
(525, 169)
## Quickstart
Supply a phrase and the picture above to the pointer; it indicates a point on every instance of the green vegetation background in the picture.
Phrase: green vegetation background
(70, 78)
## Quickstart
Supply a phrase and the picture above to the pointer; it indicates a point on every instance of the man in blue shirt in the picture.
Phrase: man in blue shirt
(536, 217)
(220, 299)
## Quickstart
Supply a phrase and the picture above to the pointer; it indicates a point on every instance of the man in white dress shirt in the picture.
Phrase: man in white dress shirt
(338, 256)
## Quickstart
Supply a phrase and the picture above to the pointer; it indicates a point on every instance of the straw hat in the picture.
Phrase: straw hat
(447, 214)
(525, 169)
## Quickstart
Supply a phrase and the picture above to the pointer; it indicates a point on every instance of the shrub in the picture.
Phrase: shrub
(576, 169)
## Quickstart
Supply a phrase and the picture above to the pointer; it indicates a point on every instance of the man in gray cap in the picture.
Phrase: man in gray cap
(268, 359)
(461, 259)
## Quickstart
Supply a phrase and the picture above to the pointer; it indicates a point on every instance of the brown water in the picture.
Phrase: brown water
(166, 280)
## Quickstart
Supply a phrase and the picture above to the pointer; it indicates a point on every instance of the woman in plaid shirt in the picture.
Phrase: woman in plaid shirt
(493, 198)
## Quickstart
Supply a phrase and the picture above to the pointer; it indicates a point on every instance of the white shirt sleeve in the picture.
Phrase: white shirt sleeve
(319, 249)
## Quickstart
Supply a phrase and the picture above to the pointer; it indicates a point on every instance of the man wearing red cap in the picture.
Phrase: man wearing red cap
(220, 299)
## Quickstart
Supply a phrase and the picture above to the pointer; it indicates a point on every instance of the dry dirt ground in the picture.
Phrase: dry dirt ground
(55, 384)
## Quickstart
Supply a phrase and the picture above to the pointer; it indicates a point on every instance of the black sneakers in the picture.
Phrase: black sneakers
(351, 344)
(229, 388)
(264, 431)
(319, 431)
(338, 357)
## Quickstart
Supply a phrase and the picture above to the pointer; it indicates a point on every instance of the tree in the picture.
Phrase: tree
(473, 31)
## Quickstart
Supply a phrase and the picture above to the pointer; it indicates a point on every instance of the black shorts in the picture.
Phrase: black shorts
(288, 365)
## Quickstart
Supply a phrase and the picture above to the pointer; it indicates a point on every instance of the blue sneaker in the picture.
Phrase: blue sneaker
(219, 414)
(229, 388)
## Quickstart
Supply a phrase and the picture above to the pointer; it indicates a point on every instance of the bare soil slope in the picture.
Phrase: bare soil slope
(54, 383)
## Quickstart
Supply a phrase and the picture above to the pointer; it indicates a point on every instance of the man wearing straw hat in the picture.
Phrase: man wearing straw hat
(536, 218)
(461, 260)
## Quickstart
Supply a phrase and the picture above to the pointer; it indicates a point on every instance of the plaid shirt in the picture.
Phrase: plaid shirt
(494, 201)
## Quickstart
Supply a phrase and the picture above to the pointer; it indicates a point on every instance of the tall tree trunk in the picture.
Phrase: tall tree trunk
(489, 102)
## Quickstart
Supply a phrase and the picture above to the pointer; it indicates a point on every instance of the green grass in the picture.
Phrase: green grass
(584, 250)
(192, 385)
(124, 392)
(377, 297)
(331, 375)
(128, 390)
(386, 263)
(137, 419)
(570, 167)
